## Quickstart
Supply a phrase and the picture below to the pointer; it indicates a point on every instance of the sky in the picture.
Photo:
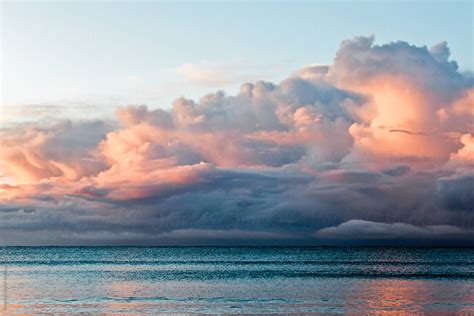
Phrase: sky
(151, 53)
(165, 123)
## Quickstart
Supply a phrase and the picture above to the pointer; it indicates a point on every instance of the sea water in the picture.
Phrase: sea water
(152, 280)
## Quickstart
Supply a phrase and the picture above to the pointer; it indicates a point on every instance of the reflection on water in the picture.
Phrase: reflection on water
(398, 295)
(239, 280)
(411, 296)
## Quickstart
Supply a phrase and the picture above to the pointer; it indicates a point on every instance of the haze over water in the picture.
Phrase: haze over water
(238, 280)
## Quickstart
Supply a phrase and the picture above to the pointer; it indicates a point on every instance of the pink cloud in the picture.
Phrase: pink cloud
(364, 133)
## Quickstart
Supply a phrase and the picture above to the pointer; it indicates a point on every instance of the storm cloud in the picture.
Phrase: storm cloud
(377, 146)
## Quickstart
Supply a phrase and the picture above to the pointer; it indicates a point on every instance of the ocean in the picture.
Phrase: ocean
(150, 280)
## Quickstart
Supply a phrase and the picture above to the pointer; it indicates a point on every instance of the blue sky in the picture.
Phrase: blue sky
(121, 53)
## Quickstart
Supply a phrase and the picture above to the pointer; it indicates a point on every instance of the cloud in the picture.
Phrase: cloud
(377, 145)
(413, 94)
(30, 154)
(465, 155)
(373, 230)
(214, 74)
(457, 192)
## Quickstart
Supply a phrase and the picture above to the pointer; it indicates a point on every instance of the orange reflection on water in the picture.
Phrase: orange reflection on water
(404, 297)
(16, 289)
(125, 292)
(468, 297)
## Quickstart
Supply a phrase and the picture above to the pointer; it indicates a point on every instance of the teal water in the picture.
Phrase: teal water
(152, 280)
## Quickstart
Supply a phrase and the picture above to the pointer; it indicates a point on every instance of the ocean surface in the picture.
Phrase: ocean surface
(153, 280)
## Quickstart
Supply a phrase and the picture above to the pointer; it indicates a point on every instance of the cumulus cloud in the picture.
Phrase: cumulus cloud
(377, 145)
(30, 154)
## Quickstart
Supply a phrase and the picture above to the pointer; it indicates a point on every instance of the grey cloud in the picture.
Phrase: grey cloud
(397, 171)
(273, 164)
(457, 192)
(361, 229)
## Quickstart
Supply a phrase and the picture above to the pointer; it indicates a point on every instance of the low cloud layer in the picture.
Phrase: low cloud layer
(377, 146)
